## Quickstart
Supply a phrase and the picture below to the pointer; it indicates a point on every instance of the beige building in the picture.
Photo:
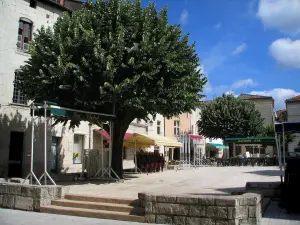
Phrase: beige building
(264, 104)
(293, 115)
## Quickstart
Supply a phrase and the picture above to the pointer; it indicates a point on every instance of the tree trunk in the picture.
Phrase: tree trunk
(119, 130)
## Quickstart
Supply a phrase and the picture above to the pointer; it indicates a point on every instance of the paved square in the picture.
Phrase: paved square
(206, 180)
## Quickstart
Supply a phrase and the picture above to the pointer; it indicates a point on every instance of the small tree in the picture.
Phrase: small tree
(268, 131)
(227, 116)
(115, 57)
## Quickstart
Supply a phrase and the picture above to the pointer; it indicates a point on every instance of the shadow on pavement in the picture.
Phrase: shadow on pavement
(274, 212)
(271, 173)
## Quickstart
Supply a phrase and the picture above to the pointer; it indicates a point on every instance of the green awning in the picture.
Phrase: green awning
(218, 145)
(251, 140)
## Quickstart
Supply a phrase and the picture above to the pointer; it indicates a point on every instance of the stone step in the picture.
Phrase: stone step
(93, 198)
(92, 213)
(132, 210)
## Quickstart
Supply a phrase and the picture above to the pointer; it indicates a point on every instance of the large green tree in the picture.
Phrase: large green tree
(115, 53)
(227, 116)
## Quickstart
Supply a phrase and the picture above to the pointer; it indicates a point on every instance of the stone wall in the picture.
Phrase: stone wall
(28, 197)
(268, 189)
(204, 210)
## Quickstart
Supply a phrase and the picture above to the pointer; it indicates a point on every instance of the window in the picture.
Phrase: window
(78, 148)
(210, 140)
(18, 96)
(238, 150)
(24, 34)
(176, 127)
(158, 127)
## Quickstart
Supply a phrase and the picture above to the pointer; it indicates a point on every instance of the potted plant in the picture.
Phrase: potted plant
(75, 155)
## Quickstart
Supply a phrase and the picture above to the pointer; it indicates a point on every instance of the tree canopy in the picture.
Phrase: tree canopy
(115, 53)
(227, 117)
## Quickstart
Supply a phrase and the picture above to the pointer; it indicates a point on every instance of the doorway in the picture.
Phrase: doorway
(78, 148)
(15, 154)
(54, 154)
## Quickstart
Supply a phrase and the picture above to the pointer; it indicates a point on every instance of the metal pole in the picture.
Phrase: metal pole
(135, 162)
(280, 156)
(101, 151)
(110, 148)
(189, 149)
(283, 143)
(32, 143)
(45, 142)
(31, 173)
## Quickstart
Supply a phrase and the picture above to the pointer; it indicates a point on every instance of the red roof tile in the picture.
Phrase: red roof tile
(293, 99)
(252, 97)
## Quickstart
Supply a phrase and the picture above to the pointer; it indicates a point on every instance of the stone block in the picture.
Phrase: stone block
(170, 209)
(206, 201)
(15, 189)
(252, 211)
(37, 203)
(249, 199)
(162, 219)
(48, 192)
(181, 210)
(4, 189)
(227, 201)
(163, 208)
(24, 203)
(178, 220)
(8, 201)
(249, 221)
(222, 222)
(61, 191)
(150, 198)
(150, 218)
(198, 221)
(187, 200)
(232, 213)
(197, 210)
(31, 191)
(148, 207)
(217, 212)
(1, 200)
(234, 222)
(242, 212)
(166, 199)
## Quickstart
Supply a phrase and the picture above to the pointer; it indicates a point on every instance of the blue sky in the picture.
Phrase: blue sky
(245, 46)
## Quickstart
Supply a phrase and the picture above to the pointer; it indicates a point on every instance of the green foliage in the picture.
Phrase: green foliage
(268, 131)
(227, 116)
(115, 52)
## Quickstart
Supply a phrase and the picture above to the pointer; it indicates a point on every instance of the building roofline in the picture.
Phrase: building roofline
(54, 3)
(293, 99)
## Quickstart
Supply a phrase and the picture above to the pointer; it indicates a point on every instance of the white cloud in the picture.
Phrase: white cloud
(243, 83)
(218, 25)
(279, 95)
(239, 49)
(283, 15)
(184, 17)
(229, 89)
(286, 52)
